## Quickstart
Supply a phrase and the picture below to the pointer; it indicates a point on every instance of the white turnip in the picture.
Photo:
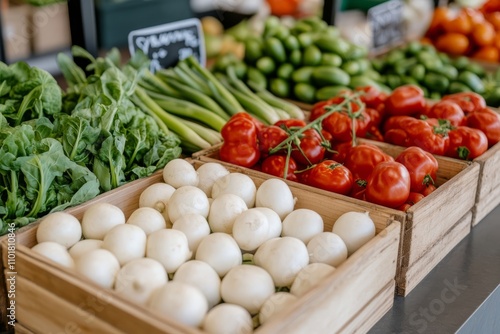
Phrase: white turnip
(202, 276)
(328, 248)
(100, 266)
(180, 301)
(156, 196)
(275, 225)
(55, 252)
(228, 319)
(276, 195)
(84, 246)
(195, 227)
(236, 183)
(251, 229)
(148, 219)
(208, 173)
(186, 200)
(248, 286)
(223, 211)
(302, 224)
(169, 247)
(355, 228)
(60, 227)
(137, 279)
(127, 242)
(283, 258)
(220, 251)
(179, 173)
(99, 218)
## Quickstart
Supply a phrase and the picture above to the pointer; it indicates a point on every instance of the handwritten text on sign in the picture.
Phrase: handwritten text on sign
(386, 22)
(166, 44)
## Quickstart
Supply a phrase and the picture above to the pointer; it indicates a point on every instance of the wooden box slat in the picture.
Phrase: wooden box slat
(488, 193)
(359, 283)
(410, 276)
(372, 312)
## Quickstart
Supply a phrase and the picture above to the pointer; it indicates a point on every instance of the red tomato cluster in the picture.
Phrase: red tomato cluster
(459, 125)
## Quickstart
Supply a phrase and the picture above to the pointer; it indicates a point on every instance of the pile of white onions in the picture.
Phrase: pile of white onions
(181, 252)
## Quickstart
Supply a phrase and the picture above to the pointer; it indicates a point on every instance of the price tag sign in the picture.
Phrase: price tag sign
(166, 44)
(386, 21)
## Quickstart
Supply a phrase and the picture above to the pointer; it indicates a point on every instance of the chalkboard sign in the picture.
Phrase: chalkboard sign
(166, 44)
(386, 21)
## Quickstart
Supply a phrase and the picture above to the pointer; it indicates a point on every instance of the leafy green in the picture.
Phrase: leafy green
(37, 177)
(130, 144)
(27, 93)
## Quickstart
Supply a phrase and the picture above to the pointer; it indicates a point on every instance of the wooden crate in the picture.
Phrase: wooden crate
(428, 226)
(50, 298)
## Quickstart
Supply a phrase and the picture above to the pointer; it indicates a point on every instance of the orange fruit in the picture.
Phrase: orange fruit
(487, 53)
(460, 24)
(483, 34)
(440, 15)
(453, 43)
(496, 41)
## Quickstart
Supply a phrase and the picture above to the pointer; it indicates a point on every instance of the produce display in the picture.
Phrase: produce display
(465, 31)
(436, 73)
(59, 149)
(224, 252)
(324, 153)
(212, 258)
(307, 62)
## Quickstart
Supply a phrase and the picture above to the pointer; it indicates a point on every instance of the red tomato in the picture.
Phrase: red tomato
(406, 100)
(374, 133)
(389, 184)
(398, 130)
(487, 121)
(414, 198)
(372, 97)
(341, 150)
(340, 125)
(310, 150)
(362, 159)
(358, 190)
(404, 207)
(468, 101)
(290, 123)
(449, 110)
(421, 165)
(466, 143)
(375, 116)
(429, 189)
(303, 175)
(240, 154)
(318, 109)
(270, 137)
(407, 131)
(332, 176)
(275, 165)
(240, 130)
